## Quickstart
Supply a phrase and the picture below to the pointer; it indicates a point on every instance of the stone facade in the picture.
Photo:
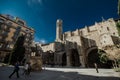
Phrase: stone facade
(10, 29)
(78, 44)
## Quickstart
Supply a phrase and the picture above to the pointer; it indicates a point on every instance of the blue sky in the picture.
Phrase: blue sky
(42, 14)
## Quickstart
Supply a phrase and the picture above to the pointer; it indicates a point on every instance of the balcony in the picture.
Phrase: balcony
(2, 40)
(2, 20)
(7, 29)
(9, 23)
(5, 49)
(3, 34)
(31, 38)
(2, 27)
(20, 22)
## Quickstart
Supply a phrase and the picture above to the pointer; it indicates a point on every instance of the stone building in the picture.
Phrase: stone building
(80, 47)
(10, 29)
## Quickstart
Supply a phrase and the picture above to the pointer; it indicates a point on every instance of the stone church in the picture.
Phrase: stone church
(80, 47)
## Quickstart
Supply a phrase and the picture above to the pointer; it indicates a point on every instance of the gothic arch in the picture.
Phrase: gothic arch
(92, 56)
(74, 57)
(64, 60)
(90, 49)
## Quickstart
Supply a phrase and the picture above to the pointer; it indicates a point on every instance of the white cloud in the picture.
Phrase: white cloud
(40, 1)
(40, 40)
(34, 2)
(43, 41)
(28, 2)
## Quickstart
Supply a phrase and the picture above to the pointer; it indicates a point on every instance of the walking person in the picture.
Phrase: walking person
(16, 70)
(96, 67)
(29, 68)
(25, 69)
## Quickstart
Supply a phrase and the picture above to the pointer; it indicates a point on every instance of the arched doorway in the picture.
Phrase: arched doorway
(74, 58)
(93, 57)
(64, 59)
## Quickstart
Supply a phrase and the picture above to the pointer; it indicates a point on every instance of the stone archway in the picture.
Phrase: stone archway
(74, 58)
(64, 61)
(93, 57)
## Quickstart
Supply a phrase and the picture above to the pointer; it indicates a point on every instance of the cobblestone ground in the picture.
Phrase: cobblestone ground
(62, 74)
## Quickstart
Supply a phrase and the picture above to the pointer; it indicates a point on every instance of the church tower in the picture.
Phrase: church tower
(59, 30)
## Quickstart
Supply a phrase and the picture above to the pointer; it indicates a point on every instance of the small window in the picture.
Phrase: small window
(1, 45)
(66, 35)
(72, 34)
(27, 30)
(104, 36)
(81, 32)
(8, 46)
(2, 20)
(114, 33)
(10, 23)
(2, 32)
(59, 24)
(108, 29)
(20, 22)
(18, 28)
(104, 42)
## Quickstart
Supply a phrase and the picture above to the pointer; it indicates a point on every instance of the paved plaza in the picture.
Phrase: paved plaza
(62, 74)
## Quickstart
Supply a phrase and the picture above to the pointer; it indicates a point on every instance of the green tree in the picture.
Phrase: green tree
(18, 51)
(113, 53)
(118, 27)
(103, 56)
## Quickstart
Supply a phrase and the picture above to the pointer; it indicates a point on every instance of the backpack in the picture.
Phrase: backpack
(17, 67)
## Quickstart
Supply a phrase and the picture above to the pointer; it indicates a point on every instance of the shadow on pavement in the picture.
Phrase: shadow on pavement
(52, 75)
(59, 75)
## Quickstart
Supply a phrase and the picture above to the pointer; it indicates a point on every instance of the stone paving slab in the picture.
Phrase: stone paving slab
(90, 71)
(62, 74)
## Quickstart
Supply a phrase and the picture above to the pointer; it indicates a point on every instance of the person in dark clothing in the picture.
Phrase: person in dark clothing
(29, 68)
(16, 70)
